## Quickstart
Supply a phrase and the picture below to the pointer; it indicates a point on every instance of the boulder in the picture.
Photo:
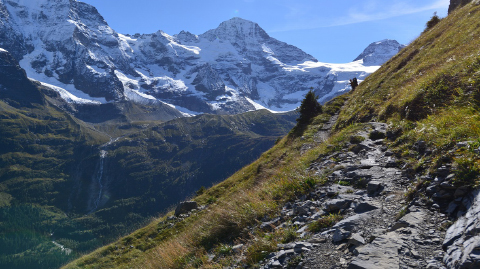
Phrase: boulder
(461, 192)
(462, 242)
(337, 204)
(420, 146)
(373, 187)
(356, 240)
(237, 248)
(185, 207)
(340, 234)
(299, 211)
(364, 207)
(376, 134)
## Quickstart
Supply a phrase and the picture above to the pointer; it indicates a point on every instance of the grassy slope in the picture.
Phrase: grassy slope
(38, 147)
(256, 190)
(429, 91)
(47, 158)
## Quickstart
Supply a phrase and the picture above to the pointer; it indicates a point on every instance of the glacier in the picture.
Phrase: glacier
(234, 68)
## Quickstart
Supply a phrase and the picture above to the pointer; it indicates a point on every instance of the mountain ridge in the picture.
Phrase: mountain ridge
(84, 56)
(394, 185)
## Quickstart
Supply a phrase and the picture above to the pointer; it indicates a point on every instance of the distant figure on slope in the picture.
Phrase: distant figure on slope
(354, 83)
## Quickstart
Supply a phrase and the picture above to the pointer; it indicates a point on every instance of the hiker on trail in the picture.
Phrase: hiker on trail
(353, 83)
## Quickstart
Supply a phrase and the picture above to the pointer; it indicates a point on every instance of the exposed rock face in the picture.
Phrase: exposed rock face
(234, 68)
(185, 207)
(379, 52)
(15, 87)
(454, 4)
(462, 242)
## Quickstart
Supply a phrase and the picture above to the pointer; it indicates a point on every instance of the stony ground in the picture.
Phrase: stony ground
(377, 226)
(379, 229)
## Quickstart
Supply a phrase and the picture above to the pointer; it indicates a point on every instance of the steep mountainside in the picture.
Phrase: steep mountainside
(234, 68)
(375, 181)
(67, 186)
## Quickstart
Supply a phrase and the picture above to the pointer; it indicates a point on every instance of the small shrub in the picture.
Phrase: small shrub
(200, 191)
(361, 183)
(324, 222)
(401, 213)
(432, 22)
(356, 139)
(293, 263)
(309, 108)
(288, 235)
(309, 183)
(344, 183)
(211, 200)
(411, 192)
(473, 146)
(467, 172)
(224, 249)
(258, 250)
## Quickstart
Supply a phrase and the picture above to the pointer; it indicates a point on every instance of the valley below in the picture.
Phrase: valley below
(232, 149)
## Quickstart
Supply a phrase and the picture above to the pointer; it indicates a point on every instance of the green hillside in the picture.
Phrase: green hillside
(429, 92)
(50, 162)
(38, 148)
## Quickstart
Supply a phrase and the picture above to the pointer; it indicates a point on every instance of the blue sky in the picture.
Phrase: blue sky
(334, 31)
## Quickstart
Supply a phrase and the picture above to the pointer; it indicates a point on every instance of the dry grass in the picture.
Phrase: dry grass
(429, 91)
(448, 49)
(255, 191)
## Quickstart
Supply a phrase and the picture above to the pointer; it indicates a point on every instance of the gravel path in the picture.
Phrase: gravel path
(379, 229)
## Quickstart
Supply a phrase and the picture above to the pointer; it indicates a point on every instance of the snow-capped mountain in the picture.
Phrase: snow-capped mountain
(379, 52)
(234, 68)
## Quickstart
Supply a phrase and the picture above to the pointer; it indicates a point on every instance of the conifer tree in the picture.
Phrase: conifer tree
(309, 108)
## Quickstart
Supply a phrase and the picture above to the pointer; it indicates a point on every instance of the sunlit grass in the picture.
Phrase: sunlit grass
(429, 91)
(255, 191)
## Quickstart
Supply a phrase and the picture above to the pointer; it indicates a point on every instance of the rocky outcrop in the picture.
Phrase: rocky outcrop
(185, 207)
(454, 4)
(462, 241)
(377, 226)
(15, 87)
(378, 53)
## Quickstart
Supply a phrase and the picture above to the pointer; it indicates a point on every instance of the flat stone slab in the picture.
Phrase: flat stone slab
(382, 253)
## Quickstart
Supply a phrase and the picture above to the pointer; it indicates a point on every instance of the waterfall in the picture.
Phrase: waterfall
(99, 177)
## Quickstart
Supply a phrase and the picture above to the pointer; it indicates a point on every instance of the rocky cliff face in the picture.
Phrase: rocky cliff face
(15, 87)
(462, 242)
(234, 68)
(378, 53)
(454, 4)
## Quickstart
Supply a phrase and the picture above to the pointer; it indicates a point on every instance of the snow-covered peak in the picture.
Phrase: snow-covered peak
(185, 36)
(379, 52)
(69, 46)
(237, 29)
(55, 20)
